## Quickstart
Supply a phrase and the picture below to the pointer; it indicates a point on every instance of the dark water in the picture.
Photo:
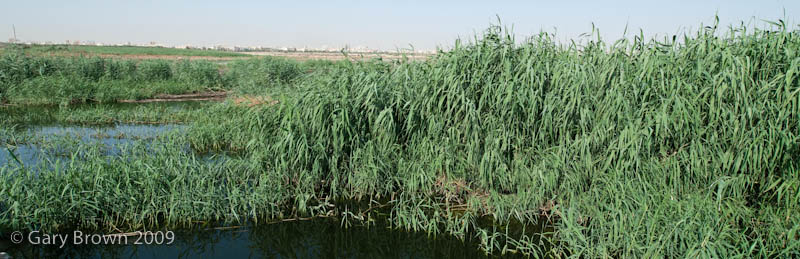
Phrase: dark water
(322, 238)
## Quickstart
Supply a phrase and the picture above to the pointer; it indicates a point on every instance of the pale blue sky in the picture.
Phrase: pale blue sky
(375, 24)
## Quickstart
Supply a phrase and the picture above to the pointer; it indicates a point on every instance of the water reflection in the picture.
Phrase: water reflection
(321, 238)
(42, 143)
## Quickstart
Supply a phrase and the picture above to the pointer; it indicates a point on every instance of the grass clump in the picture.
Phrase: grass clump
(98, 114)
(636, 148)
(38, 80)
(268, 75)
(64, 80)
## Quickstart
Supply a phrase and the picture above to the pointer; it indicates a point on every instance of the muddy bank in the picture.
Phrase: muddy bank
(208, 96)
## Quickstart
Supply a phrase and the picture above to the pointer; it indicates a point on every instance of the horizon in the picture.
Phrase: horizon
(362, 26)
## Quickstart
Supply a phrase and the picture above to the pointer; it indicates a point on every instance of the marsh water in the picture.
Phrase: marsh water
(321, 238)
(37, 133)
(44, 142)
(58, 142)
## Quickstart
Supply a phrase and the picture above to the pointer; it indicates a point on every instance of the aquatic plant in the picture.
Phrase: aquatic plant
(638, 148)
(66, 80)
(682, 147)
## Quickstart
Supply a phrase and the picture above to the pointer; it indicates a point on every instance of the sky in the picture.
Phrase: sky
(385, 25)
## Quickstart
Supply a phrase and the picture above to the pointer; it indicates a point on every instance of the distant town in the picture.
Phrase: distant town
(357, 49)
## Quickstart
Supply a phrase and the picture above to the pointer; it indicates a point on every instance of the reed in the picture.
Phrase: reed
(69, 80)
(636, 148)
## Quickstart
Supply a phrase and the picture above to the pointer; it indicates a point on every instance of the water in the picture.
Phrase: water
(39, 137)
(54, 142)
(321, 238)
